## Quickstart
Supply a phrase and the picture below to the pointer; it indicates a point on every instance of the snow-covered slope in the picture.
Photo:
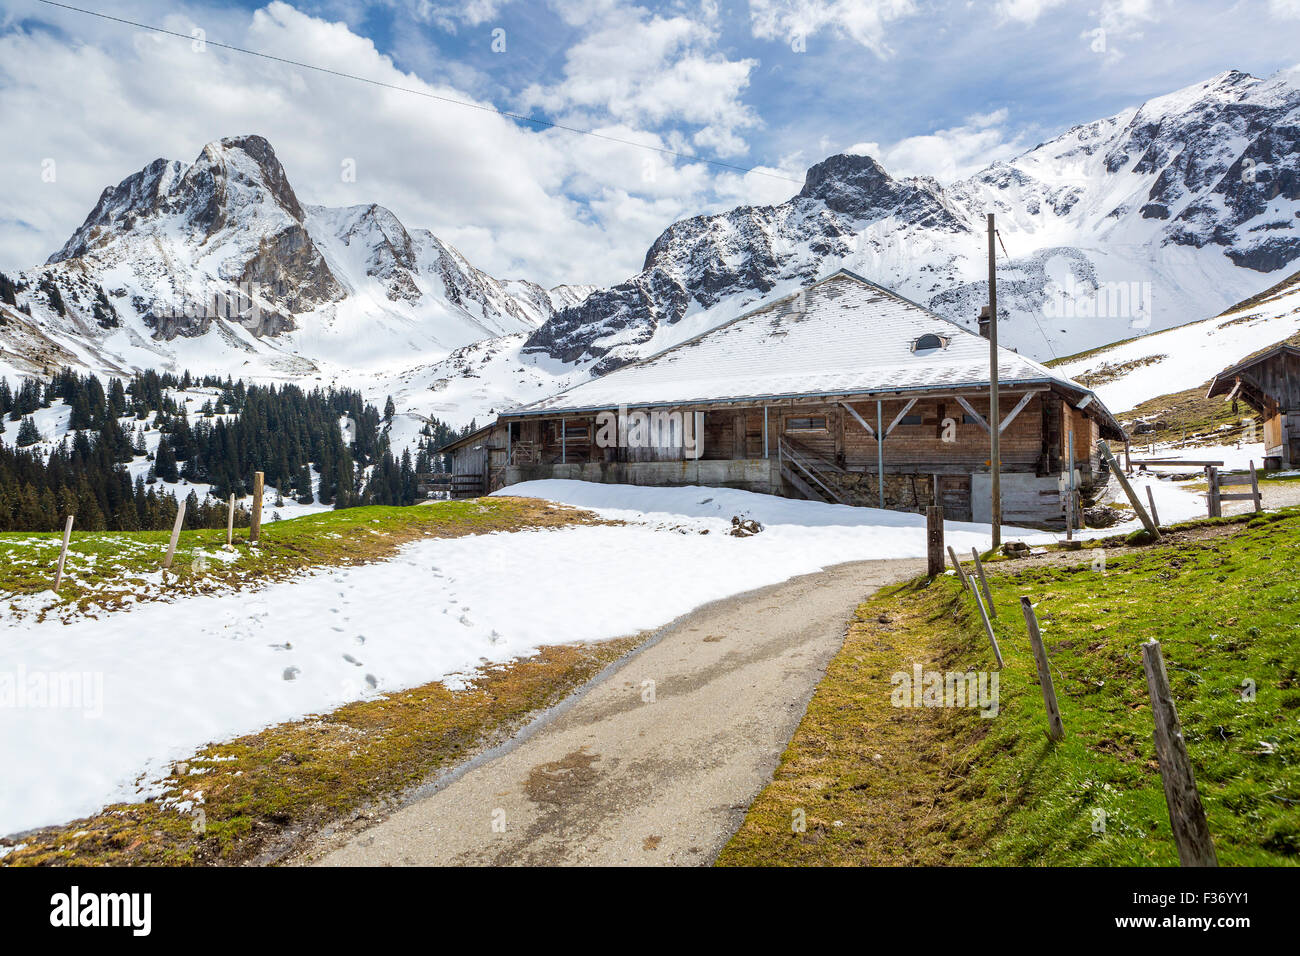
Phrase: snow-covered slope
(217, 266)
(1129, 373)
(1135, 223)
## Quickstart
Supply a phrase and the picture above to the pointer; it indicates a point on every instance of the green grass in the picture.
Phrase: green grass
(106, 568)
(997, 791)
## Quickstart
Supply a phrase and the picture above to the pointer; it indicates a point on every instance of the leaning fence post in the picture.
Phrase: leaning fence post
(1254, 488)
(988, 628)
(176, 533)
(1155, 515)
(255, 527)
(984, 582)
(934, 540)
(961, 575)
(1055, 729)
(1186, 814)
(63, 554)
(1133, 499)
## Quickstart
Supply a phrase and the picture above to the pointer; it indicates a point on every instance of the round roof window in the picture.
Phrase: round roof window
(929, 342)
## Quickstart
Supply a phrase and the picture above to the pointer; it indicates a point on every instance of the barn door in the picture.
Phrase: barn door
(954, 496)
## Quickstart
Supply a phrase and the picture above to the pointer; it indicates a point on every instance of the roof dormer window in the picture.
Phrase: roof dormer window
(929, 343)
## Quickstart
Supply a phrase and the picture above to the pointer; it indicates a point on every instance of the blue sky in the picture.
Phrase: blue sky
(929, 88)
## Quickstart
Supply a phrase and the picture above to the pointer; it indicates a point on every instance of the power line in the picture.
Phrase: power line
(432, 96)
(1024, 298)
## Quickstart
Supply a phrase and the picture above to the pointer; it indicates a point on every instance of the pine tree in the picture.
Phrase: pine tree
(28, 433)
(165, 462)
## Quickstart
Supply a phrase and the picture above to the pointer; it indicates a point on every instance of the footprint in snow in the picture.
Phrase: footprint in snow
(291, 673)
(496, 638)
(371, 682)
(360, 638)
(337, 628)
(286, 646)
(351, 660)
(464, 619)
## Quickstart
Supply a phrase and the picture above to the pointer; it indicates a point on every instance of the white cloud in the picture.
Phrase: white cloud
(1285, 9)
(1025, 11)
(794, 21)
(547, 205)
(645, 70)
(948, 154)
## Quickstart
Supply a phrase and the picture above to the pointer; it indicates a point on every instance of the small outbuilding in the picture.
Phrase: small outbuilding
(1270, 384)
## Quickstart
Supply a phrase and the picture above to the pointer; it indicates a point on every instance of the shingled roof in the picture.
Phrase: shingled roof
(842, 336)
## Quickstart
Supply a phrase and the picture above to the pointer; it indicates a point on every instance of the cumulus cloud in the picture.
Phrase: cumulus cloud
(1025, 11)
(794, 21)
(641, 69)
(948, 154)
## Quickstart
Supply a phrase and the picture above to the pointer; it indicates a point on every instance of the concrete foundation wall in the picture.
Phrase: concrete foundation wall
(750, 474)
(1026, 499)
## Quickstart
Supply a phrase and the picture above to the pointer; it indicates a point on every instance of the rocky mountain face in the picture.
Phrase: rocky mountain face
(1145, 220)
(217, 263)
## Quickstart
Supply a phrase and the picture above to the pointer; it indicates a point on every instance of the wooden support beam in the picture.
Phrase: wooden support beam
(984, 582)
(934, 540)
(1133, 498)
(1186, 814)
(979, 419)
(255, 526)
(1055, 729)
(961, 575)
(988, 627)
(63, 554)
(1155, 515)
(176, 532)
(859, 419)
(1011, 416)
(900, 416)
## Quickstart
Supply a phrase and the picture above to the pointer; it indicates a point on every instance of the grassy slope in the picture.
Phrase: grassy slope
(934, 785)
(105, 567)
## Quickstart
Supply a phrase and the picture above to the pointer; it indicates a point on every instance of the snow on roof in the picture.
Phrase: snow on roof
(841, 336)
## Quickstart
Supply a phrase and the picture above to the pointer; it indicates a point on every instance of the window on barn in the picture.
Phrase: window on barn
(805, 424)
(929, 343)
(573, 431)
(969, 419)
(910, 420)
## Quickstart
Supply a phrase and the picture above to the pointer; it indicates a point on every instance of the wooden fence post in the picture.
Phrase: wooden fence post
(1155, 515)
(1254, 488)
(1133, 499)
(1186, 814)
(255, 528)
(63, 554)
(176, 532)
(984, 582)
(1213, 503)
(988, 627)
(1055, 729)
(230, 524)
(961, 575)
(934, 540)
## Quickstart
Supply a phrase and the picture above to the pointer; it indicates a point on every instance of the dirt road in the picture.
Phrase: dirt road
(656, 763)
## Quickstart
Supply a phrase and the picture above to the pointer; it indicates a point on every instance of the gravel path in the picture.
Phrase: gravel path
(654, 764)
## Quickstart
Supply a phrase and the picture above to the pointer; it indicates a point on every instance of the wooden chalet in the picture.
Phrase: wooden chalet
(844, 392)
(1270, 384)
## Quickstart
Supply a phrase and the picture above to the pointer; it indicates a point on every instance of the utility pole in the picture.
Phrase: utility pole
(995, 417)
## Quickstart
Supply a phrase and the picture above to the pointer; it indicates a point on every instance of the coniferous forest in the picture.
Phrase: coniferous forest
(293, 436)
